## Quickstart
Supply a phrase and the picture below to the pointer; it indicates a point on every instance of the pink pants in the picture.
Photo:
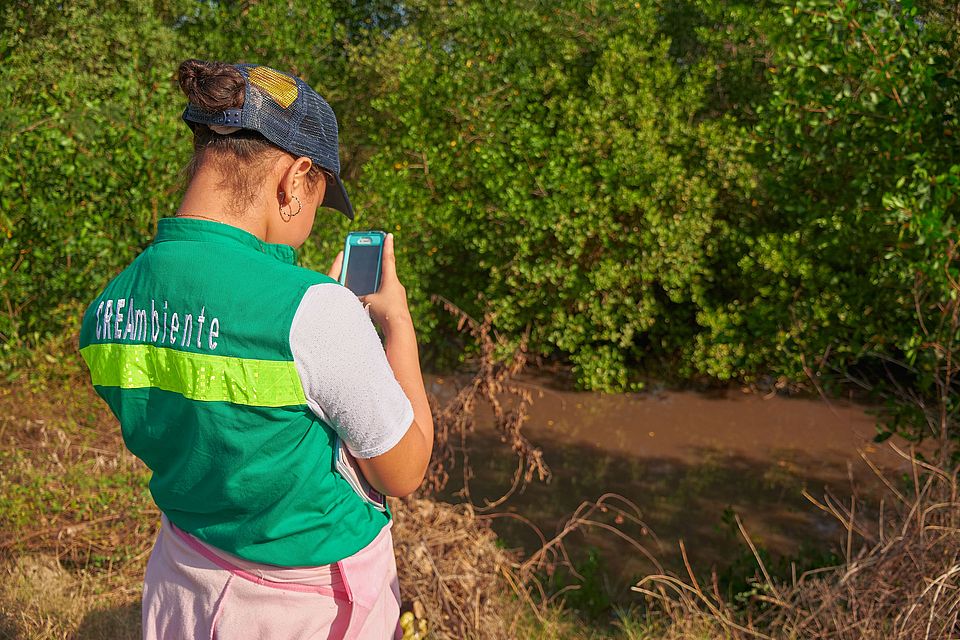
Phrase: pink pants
(194, 591)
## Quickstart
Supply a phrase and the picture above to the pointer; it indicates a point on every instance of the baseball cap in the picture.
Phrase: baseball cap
(289, 113)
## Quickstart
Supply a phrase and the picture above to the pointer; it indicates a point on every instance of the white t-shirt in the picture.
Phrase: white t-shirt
(344, 371)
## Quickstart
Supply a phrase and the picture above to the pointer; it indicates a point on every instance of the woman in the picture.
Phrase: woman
(234, 372)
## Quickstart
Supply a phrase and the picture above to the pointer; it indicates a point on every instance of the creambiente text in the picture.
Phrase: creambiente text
(121, 320)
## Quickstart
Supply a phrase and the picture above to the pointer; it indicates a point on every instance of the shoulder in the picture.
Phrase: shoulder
(285, 285)
(330, 318)
(294, 274)
(328, 303)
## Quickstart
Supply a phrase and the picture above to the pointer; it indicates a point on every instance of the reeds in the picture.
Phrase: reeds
(493, 383)
(900, 579)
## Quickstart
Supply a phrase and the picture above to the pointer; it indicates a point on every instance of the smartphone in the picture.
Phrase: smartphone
(362, 259)
(346, 465)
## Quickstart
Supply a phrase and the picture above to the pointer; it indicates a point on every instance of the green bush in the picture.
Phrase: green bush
(689, 187)
(88, 159)
(546, 162)
(581, 171)
(858, 163)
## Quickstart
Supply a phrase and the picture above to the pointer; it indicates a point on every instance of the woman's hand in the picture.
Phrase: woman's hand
(388, 306)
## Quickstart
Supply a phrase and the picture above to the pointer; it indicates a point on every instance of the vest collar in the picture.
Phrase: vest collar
(196, 230)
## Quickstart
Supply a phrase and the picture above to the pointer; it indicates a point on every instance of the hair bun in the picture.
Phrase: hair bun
(212, 86)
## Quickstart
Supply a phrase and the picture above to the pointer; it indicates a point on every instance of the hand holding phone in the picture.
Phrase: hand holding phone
(400, 470)
(362, 259)
(388, 306)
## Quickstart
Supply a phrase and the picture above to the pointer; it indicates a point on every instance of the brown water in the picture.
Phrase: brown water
(688, 460)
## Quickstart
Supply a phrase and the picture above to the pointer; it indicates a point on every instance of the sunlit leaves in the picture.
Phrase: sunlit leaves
(545, 149)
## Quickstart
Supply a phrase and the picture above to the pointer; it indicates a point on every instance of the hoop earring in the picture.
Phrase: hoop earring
(291, 215)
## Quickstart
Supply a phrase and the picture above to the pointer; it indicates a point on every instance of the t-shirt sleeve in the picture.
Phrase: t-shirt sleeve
(345, 374)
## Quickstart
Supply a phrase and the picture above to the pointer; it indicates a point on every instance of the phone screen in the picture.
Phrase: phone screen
(363, 269)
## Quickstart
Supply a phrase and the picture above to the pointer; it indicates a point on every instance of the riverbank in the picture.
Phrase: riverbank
(77, 525)
(685, 462)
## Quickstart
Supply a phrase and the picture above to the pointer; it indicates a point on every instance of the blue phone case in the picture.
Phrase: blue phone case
(363, 239)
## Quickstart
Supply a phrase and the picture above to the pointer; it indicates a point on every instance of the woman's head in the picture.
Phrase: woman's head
(271, 159)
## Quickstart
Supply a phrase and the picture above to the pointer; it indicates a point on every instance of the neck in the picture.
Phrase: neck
(206, 199)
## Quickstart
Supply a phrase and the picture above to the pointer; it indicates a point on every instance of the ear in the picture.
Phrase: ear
(294, 179)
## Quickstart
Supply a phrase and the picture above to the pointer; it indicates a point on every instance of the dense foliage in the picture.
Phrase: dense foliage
(546, 163)
(701, 187)
(857, 160)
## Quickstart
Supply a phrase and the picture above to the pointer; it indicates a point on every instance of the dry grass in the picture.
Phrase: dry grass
(455, 421)
(77, 524)
(76, 520)
(41, 600)
(449, 562)
(900, 579)
(448, 556)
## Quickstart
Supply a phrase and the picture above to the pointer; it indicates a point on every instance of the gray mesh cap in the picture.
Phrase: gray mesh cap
(290, 114)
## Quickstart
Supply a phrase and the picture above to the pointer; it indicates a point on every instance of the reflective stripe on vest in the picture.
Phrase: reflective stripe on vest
(197, 376)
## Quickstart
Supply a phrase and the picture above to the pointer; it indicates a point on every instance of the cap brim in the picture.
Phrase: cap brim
(335, 197)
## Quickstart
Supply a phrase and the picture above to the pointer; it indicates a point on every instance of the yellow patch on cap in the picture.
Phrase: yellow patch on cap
(278, 86)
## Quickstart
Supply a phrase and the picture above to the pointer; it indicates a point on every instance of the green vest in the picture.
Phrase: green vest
(189, 346)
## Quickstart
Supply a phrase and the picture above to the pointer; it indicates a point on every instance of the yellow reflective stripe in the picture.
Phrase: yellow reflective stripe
(197, 376)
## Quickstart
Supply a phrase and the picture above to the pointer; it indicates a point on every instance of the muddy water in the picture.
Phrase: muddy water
(688, 461)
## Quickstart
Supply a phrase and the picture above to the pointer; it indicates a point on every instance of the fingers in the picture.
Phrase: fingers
(388, 306)
(336, 267)
(389, 266)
